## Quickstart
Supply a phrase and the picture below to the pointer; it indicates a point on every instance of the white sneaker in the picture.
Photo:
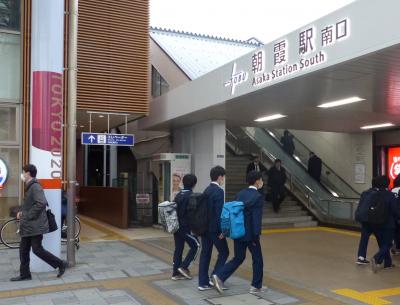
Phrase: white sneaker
(185, 273)
(205, 287)
(223, 285)
(178, 277)
(218, 284)
(254, 290)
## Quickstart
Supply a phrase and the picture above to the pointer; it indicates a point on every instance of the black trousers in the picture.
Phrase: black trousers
(277, 197)
(35, 242)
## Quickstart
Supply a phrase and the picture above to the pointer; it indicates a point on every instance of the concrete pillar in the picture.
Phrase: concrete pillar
(206, 142)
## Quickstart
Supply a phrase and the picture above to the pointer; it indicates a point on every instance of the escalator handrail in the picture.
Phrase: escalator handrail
(303, 165)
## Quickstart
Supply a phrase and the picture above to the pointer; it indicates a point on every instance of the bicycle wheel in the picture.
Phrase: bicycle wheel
(9, 234)
(77, 223)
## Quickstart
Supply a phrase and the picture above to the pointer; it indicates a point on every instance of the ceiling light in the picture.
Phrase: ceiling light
(377, 126)
(270, 118)
(81, 126)
(345, 101)
(101, 116)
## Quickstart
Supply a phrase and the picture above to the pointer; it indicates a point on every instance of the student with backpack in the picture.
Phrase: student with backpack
(396, 191)
(253, 202)
(181, 269)
(382, 217)
(361, 216)
(213, 236)
(377, 214)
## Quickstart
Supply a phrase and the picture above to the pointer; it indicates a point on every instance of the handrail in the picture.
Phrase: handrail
(268, 131)
(329, 209)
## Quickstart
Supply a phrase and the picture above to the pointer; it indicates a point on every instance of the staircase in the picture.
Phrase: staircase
(292, 214)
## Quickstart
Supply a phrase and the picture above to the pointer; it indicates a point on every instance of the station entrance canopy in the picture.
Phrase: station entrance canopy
(353, 53)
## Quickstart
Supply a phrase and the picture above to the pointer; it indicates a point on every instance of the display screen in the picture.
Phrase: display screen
(393, 163)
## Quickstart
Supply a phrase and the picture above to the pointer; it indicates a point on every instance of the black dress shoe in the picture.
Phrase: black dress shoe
(61, 269)
(21, 278)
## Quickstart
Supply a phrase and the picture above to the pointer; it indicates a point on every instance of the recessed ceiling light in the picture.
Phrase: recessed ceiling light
(81, 126)
(270, 117)
(345, 101)
(377, 126)
(101, 116)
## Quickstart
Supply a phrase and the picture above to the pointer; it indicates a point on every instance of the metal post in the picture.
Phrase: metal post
(71, 158)
(104, 165)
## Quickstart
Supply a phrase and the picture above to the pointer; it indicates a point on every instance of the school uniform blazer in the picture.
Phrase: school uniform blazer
(182, 201)
(216, 201)
(252, 213)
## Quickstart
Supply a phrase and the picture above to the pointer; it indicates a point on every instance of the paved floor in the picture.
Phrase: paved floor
(302, 267)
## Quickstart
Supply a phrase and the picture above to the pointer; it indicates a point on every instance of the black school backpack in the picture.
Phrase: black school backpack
(197, 213)
(378, 212)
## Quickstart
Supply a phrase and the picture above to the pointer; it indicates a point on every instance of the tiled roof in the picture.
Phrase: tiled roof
(198, 54)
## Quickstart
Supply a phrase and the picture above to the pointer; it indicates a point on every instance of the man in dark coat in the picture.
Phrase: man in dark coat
(255, 165)
(276, 181)
(315, 166)
(287, 143)
(33, 224)
(253, 221)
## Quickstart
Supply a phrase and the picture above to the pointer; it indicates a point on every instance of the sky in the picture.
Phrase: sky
(263, 19)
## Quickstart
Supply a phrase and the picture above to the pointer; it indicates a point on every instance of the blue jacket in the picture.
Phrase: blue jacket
(182, 201)
(252, 213)
(365, 202)
(216, 201)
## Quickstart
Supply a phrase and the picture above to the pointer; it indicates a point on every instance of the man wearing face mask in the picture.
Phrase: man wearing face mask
(213, 237)
(33, 224)
(253, 202)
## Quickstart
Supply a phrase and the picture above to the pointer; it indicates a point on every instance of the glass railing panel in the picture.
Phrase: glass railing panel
(308, 188)
(332, 181)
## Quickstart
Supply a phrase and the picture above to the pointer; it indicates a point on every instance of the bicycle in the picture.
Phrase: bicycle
(9, 233)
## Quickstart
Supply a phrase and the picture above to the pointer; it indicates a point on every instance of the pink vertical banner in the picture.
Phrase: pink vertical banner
(47, 62)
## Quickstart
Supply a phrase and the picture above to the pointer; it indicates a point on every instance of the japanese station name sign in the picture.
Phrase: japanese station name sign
(88, 138)
(309, 49)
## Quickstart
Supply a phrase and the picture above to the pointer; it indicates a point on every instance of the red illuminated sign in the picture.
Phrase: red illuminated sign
(393, 163)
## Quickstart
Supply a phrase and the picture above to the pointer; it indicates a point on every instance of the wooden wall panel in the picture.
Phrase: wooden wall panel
(113, 56)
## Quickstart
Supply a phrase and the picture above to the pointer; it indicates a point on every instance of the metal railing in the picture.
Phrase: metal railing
(326, 207)
(335, 184)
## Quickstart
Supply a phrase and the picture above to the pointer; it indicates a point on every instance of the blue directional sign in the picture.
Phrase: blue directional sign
(89, 138)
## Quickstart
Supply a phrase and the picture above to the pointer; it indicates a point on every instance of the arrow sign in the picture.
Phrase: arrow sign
(114, 139)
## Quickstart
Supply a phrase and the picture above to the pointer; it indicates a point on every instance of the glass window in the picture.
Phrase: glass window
(8, 124)
(9, 193)
(9, 66)
(9, 14)
(159, 85)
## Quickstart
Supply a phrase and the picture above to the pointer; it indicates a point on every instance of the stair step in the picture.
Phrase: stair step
(284, 209)
(271, 214)
(268, 220)
(305, 224)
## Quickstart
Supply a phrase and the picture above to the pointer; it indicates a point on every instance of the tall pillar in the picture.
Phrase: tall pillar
(206, 143)
(47, 48)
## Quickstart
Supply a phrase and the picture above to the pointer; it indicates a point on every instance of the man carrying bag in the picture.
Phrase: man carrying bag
(33, 224)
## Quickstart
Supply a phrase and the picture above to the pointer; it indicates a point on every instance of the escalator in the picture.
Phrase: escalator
(334, 202)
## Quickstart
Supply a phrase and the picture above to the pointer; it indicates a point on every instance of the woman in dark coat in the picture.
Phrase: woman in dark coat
(33, 224)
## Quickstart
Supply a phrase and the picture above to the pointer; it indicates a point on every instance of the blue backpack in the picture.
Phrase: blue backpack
(232, 220)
